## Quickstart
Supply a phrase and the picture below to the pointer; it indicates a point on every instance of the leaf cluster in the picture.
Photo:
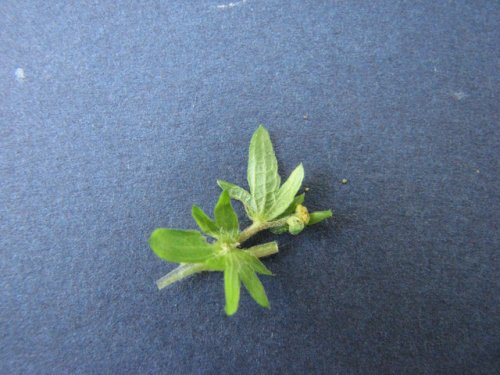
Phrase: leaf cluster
(269, 205)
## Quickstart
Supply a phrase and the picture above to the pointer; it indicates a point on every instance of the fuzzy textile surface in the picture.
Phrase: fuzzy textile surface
(116, 117)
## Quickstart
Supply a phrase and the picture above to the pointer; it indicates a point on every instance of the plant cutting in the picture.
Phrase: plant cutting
(268, 204)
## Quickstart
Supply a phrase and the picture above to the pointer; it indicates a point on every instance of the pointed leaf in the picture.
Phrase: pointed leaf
(238, 193)
(225, 217)
(253, 263)
(316, 217)
(299, 199)
(180, 246)
(216, 263)
(262, 175)
(286, 193)
(206, 224)
(231, 285)
(254, 286)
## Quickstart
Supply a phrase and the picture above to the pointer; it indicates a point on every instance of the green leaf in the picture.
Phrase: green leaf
(180, 246)
(206, 224)
(225, 217)
(254, 286)
(286, 193)
(216, 263)
(231, 285)
(316, 217)
(240, 194)
(253, 262)
(262, 174)
(299, 199)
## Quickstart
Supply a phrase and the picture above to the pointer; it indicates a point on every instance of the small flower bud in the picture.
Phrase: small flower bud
(295, 225)
(302, 213)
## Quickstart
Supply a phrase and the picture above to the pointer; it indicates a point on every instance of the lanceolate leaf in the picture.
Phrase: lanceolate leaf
(240, 194)
(206, 224)
(254, 286)
(181, 246)
(216, 263)
(231, 285)
(299, 199)
(254, 263)
(262, 174)
(225, 217)
(242, 266)
(286, 193)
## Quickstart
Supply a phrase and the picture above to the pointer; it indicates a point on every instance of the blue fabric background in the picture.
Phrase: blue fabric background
(125, 116)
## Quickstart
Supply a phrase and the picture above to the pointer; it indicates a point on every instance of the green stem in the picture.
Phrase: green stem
(263, 250)
(179, 273)
(188, 269)
(257, 227)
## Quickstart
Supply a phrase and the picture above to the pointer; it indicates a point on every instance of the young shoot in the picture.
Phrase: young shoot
(269, 204)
